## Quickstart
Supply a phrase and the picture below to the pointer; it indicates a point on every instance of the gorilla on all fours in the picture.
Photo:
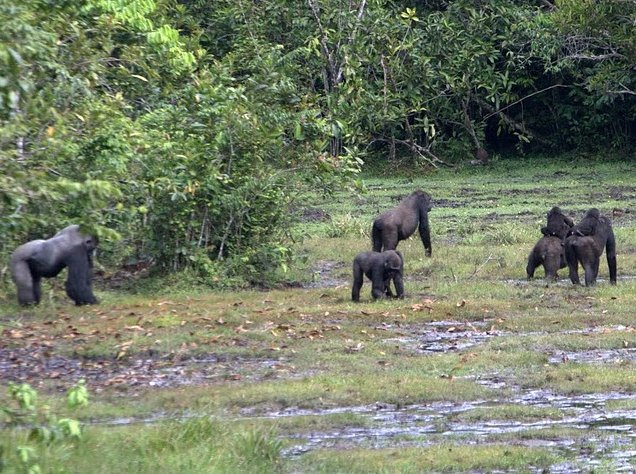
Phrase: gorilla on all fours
(400, 222)
(587, 249)
(381, 268)
(39, 259)
(548, 252)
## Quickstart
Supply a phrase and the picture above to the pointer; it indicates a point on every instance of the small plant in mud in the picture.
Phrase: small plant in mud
(34, 430)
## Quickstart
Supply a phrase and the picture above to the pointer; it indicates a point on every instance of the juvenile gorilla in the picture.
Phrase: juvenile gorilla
(588, 224)
(558, 224)
(381, 268)
(39, 259)
(400, 222)
(587, 249)
(547, 252)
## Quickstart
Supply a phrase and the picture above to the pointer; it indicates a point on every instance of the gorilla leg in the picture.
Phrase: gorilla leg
(376, 236)
(590, 265)
(78, 282)
(358, 279)
(573, 261)
(25, 283)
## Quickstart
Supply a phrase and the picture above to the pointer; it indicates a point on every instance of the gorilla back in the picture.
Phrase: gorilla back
(400, 222)
(548, 252)
(39, 259)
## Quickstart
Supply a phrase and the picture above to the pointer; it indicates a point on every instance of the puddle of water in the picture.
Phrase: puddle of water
(390, 426)
(608, 356)
(444, 336)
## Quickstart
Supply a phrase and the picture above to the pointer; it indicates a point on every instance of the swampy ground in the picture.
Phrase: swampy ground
(476, 370)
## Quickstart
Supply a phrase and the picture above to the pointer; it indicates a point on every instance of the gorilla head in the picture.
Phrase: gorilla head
(400, 222)
(381, 268)
(39, 259)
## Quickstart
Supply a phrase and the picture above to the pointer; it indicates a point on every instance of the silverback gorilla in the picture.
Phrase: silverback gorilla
(39, 259)
(587, 249)
(381, 268)
(400, 222)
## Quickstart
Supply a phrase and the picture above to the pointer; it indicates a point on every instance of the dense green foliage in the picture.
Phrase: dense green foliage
(190, 129)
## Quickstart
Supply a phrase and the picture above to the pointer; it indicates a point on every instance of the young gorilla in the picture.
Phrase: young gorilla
(588, 224)
(400, 222)
(39, 259)
(381, 268)
(587, 249)
(558, 224)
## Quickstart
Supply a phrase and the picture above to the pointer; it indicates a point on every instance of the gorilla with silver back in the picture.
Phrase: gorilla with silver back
(39, 259)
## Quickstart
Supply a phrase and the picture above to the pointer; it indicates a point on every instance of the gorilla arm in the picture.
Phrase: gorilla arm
(610, 250)
(425, 233)
(78, 282)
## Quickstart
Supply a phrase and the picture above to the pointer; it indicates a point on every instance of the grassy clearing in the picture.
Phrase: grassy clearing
(224, 354)
(193, 446)
(445, 457)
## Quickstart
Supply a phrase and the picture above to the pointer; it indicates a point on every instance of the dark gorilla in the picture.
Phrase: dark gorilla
(587, 249)
(558, 224)
(547, 252)
(381, 268)
(39, 259)
(588, 224)
(400, 222)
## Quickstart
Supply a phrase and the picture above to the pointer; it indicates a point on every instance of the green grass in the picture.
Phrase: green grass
(194, 446)
(445, 457)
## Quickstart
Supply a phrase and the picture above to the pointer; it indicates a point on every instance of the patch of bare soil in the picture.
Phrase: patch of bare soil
(35, 366)
(322, 272)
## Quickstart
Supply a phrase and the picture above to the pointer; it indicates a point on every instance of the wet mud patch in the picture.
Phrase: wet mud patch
(313, 214)
(37, 366)
(613, 356)
(445, 336)
(322, 275)
(597, 436)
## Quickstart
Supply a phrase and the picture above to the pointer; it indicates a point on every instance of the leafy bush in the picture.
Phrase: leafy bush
(35, 432)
